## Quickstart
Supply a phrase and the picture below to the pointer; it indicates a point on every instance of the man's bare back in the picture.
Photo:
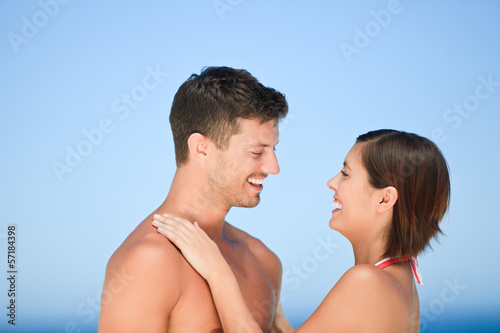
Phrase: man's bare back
(163, 293)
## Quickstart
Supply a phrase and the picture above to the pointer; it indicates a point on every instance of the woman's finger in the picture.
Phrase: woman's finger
(173, 236)
(162, 221)
(176, 232)
(178, 219)
(177, 227)
(174, 221)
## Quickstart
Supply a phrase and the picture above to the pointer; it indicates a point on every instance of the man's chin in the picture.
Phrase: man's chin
(249, 203)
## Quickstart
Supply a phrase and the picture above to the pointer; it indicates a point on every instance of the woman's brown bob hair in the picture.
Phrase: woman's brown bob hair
(417, 169)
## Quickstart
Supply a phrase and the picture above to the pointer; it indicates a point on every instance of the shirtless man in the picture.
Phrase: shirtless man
(225, 128)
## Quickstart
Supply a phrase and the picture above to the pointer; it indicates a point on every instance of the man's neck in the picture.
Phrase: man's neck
(186, 200)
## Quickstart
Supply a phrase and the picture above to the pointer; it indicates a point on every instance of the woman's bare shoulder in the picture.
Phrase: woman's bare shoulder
(364, 275)
(363, 284)
(358, 302)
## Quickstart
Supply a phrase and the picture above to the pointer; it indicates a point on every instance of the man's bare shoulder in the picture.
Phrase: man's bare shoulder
(143, 283)
(267, 257)
(148, 257)
(145, 246)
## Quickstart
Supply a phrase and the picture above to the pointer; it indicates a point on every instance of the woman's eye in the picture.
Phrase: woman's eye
(343, 173)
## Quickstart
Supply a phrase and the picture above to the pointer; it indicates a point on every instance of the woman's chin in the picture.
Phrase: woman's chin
(336, 224)
(333, 224)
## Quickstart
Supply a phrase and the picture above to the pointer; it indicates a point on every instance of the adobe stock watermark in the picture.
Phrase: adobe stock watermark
(283, 125)
(121, 107)
(260, 310)
(364, 36)
(32, 26)
(437, 306)
(88, 310)
(293, 277)
(455, 115)
(224, 6)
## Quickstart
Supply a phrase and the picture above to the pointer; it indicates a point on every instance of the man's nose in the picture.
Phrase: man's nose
(271, 164)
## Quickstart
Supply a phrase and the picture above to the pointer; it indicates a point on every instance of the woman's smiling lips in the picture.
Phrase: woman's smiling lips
(337, 205)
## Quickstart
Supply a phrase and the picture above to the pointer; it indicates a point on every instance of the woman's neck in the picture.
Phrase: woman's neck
(368, 251)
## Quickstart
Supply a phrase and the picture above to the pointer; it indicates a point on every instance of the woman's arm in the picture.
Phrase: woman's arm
(359, 302)
(204, 255)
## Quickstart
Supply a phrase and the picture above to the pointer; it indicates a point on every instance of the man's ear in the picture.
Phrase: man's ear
(387, 198)
(197, 144)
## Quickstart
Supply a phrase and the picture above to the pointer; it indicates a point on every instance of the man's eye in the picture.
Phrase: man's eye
(257, 153)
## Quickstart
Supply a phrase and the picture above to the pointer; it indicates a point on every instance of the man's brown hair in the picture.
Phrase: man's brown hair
(417, 169)
(211, 104)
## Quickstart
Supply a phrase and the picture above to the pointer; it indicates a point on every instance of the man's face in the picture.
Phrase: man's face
(236, 174)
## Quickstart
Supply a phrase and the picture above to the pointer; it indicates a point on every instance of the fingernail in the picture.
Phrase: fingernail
(156, 216)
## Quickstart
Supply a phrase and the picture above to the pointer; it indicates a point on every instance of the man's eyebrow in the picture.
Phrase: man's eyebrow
(257, 144)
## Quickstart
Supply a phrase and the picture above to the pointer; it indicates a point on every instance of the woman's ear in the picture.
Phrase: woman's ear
(387, 199)
(198, 144)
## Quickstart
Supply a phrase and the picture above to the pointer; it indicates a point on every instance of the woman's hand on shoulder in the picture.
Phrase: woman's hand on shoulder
(198, 249)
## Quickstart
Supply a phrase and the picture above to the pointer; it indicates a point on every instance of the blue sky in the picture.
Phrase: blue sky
(87, 150)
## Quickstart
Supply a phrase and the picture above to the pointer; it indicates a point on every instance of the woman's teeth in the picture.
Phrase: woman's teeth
(337, 204)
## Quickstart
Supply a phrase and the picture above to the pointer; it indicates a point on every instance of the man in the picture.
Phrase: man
(225, 128)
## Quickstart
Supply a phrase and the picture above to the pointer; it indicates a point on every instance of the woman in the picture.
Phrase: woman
(390, 196)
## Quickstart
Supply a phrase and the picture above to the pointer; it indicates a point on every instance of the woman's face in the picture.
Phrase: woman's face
(354, 199)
